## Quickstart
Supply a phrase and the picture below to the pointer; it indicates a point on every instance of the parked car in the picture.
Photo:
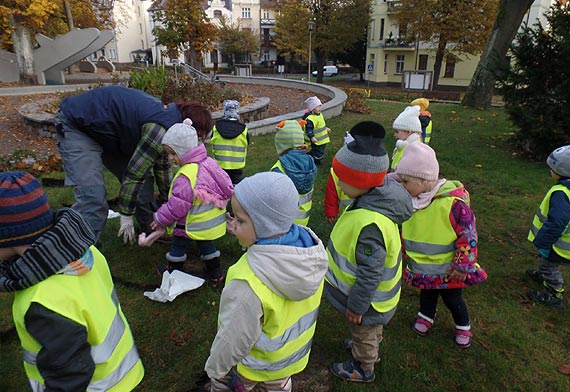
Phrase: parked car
(328, 70)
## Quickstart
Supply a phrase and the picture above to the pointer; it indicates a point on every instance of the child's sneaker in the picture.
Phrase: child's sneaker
(547, 297)
(347, 345)
(463, 338)
(422, 326)
(350, 370)
(535, 275)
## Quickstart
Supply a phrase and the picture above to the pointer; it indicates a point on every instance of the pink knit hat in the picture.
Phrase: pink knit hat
(419, 161)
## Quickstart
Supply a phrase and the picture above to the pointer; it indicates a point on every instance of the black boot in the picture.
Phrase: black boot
(213, 271)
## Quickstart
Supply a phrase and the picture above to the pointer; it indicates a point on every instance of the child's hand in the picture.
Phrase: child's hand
(231, 224)
(328, 130)
(154, 225)
(456, 276)
(331, 219)
(314, 140)
(353, 317)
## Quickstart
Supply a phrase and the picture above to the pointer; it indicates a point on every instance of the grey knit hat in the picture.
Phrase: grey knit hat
(363, 162)
(231, 109)
(271, 201)
(408, 120)
(559, 161)
(181, 137)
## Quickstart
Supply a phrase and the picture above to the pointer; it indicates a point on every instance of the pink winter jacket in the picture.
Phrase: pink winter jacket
(213, 185)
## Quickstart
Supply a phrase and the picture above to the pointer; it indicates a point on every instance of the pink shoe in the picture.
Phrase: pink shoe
(463, 338)
(422, 326)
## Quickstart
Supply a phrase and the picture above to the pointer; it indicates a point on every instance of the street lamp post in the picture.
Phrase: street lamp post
(311, 24)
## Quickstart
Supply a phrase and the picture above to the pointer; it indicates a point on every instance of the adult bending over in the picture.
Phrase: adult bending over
(121, 129)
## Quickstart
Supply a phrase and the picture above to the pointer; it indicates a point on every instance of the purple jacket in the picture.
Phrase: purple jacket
(213, 185)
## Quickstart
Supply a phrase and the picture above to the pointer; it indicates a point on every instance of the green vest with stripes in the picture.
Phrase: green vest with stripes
(319, 129)
(429, 239)
(341, 250)
(229, 153)
(305, 200)
(562, 245)
(343, 200)
(89, 300)
(204, 221)
(286, 334)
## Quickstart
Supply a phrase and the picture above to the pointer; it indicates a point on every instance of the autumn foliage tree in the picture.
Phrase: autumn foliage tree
(453, 27)
(182, 25)
(236, 42)
(339, 26)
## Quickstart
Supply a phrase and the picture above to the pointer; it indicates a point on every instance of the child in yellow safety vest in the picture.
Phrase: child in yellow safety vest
(295, 163)
(407, 130)
(316, 130)
(269, 306)
(439, 242)
(549, 232)
(365, 265)
(196, 204)
(73, 333)
(425, 118)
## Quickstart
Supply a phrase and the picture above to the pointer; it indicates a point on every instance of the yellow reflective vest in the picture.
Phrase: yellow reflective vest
(89, 300)
(286, 334)
(341, 250)
(428, 132)
(343, 200)
(305, 200)
(319, 129)
(204, 221)
(562, 245)
(229, 153)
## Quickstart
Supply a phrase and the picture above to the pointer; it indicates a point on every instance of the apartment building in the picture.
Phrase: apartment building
(388, 55)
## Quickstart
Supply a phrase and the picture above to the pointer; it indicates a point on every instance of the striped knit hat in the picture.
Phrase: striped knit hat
(363, 163)
(24, 210)
(289, 135)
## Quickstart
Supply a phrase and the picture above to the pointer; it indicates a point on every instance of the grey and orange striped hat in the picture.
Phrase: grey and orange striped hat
(363, 163)
(24, 210)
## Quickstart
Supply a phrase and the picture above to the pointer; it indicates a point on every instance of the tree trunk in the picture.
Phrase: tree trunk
(321, 59)
(24, 51)
(509, 17)
(441, 44)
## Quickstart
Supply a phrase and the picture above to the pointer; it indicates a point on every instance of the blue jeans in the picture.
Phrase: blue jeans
(207, 248)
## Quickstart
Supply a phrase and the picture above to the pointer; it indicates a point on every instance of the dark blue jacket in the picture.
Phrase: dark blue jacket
(114, 116)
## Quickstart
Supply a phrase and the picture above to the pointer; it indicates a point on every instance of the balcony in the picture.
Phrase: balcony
(398, 43)
(267, 40)
(267, 22)
(393, 6)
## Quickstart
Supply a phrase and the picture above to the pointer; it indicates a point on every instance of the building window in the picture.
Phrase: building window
(372, 29)
(217, 14)
(382, 24)
(142, 44)
(423, 60)
(385, 63)
(372, 60)
(246, 13)
(214, 56)
(449, 67)
(399, 63)
(140, 28)
(112, 53)
(265, 14)
(265, 56)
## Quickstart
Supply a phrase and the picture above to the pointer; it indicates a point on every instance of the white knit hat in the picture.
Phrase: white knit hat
(408, 120)
(312, 102)
(181, 137)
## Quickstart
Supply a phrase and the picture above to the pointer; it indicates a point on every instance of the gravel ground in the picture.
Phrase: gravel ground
(13, 134)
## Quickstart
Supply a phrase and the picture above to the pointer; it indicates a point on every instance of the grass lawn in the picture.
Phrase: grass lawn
(517, 346)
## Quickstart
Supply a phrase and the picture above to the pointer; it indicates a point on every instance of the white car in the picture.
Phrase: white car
(328, 70)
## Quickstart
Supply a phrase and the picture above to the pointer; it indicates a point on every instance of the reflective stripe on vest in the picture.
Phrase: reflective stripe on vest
(83, 299)
(287, 331)
(562, 245)
(204, 221)
(229, 153)
(429, 239)
(341, 250)
(319, 129)
(305, 200)
(343, 200)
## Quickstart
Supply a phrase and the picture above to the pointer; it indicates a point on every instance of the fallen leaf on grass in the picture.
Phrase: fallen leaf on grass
(564, 369)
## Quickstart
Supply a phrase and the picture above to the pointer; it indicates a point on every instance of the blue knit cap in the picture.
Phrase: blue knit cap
(24, 210)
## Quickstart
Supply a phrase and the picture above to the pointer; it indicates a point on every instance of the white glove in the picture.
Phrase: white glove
(127, 230)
